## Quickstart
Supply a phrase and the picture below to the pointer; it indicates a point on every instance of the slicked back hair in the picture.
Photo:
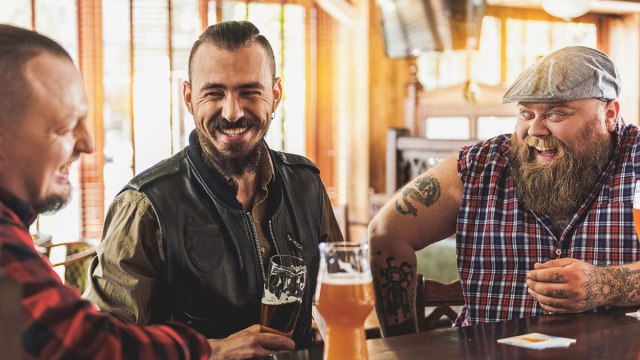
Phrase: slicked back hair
(17, 47)
(232, 36)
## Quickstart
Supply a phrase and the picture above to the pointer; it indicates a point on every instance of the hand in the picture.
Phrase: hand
(249, 343)
(564, 286)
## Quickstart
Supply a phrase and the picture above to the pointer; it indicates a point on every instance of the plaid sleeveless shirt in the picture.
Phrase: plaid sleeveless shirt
(499, 240)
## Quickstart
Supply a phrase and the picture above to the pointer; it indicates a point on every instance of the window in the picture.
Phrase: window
(455, 77)
(137, 79)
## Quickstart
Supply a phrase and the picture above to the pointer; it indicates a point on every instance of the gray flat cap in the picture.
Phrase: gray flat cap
(571, 73)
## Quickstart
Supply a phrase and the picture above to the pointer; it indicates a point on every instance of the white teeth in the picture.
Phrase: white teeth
(234, 132)
(543, 148)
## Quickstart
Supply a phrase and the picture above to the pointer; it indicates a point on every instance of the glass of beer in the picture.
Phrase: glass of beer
(283, 292)
(344, 298)
(636, 208)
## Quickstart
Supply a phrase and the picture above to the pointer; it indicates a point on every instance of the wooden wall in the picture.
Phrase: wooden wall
(387, 90)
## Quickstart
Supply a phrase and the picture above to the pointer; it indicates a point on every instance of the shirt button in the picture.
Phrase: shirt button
(558, 252)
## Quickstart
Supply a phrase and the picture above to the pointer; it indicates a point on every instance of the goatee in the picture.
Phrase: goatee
(557, 188)
(51, 204)
(227, 164)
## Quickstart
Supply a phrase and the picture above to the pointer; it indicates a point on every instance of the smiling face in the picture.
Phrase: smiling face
(559, 150)
(51, 133)
(543, 126)
(232, 95)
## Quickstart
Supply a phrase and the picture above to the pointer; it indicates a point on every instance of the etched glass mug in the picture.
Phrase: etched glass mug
(283, 294)
(344, 298)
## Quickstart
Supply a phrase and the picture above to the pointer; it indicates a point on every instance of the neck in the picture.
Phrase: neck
(247, 186)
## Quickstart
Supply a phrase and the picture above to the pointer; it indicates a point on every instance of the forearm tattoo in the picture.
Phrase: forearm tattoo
(426, 191)
(393, 288)
(611, 285)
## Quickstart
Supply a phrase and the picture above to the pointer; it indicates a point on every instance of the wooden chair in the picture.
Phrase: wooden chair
(440, 297)
(71, 260)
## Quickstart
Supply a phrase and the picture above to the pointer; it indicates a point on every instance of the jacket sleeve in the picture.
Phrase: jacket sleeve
(329, 228)
(123, 273)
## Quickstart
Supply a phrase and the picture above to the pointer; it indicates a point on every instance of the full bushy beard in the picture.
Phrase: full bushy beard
(230, 162)
(557, 188)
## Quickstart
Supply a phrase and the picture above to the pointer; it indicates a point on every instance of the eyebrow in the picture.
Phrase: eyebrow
(549, 105)
(251, 85)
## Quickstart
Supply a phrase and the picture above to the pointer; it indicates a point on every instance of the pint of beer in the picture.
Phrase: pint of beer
(344, 298)
(283, 292)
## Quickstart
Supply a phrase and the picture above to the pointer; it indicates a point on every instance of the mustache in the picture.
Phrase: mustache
(545, 142)
(221, 123)
(548, 142)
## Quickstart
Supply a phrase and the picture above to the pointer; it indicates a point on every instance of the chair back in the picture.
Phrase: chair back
(71, 261)
(440, 297)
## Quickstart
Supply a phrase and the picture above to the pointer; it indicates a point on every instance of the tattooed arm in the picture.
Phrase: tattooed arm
(571, 285)
(421, 213)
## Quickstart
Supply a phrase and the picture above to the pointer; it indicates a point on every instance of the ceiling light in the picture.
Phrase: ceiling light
(566, 9)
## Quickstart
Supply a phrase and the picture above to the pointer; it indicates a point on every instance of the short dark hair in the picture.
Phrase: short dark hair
(17, 47)
(232, 36)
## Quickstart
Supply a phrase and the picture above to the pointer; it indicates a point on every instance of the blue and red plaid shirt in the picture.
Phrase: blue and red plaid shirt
(499, 240)
(58, 324)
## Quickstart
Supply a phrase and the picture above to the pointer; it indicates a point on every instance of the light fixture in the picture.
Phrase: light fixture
(566, 9)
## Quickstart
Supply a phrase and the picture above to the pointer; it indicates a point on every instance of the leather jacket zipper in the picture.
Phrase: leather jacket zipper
(258, 254)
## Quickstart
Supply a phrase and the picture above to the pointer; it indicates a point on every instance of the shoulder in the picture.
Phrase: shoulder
(293, 161)
(474, 158)
(499, 145)
(158, 171)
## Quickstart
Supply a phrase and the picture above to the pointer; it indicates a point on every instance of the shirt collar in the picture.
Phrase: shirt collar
(23, 209)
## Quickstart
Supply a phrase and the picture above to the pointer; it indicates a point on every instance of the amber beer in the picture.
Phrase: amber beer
(279, 317)
(636, 220)
(345, 300)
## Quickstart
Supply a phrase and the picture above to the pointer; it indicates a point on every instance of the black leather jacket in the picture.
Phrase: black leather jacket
(213, 271)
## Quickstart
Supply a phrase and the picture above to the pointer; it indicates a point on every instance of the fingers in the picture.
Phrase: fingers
(554, 305)
(550, 290)
(553, 263)
(250, 343)
(551, 275)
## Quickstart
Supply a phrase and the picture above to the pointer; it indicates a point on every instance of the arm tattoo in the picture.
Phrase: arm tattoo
(395, 280)
(426, 191)
(611, 285)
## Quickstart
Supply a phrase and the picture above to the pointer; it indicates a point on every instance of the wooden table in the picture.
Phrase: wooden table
(604, 335)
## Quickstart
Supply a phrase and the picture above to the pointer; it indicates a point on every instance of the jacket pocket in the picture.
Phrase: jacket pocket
(200, 243)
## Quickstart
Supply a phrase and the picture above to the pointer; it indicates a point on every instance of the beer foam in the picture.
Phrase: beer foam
(347, 279)
(270, 298)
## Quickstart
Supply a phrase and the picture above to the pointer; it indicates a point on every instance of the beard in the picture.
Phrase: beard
(231, 161)
(51, 204)
(558, 188)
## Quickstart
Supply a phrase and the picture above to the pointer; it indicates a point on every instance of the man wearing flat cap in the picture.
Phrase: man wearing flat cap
(542, 217)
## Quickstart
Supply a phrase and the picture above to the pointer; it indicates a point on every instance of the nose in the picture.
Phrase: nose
(537, 127)
(84, 141)
(231, 109)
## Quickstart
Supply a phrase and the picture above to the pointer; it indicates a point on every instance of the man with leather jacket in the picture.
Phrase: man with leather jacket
(189, 239)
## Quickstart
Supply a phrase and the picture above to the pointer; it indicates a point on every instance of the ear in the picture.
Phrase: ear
(277, 92)
(612, 111)
(186, 92)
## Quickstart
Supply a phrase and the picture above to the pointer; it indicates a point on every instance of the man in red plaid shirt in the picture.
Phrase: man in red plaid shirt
(43, 129)
(543, 217)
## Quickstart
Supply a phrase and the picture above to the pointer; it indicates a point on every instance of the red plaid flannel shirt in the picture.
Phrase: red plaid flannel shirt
(58, 324)
(498, 240)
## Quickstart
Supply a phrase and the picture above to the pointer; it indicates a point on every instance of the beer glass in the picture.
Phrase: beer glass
(636, 208)
(344, 298)
(283, 293)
